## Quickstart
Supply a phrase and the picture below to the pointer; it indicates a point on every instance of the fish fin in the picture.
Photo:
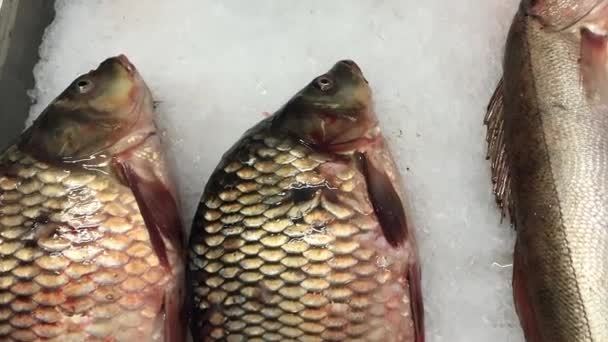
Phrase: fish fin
(416, 303)
(521, 296)
(157, 203)
(594, 62)
(174, 320)
(496, 153)
(378, 169)
(384, 197)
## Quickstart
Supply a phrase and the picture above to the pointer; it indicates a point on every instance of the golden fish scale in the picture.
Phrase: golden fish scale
(76, 263)
(266, 268)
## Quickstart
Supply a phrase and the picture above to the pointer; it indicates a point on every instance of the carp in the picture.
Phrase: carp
(91, 242)
(302, 233)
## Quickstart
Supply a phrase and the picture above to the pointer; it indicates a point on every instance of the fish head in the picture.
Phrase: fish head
(559, 14)
(97, 110)
(335, 108)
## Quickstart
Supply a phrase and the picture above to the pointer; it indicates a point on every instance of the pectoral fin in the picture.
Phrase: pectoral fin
(157, 203)
(501, 180)
(376, 166)
(143, 170)
(386, 202)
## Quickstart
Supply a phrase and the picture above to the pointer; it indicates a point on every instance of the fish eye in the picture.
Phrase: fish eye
(324, 83)
(83, 86)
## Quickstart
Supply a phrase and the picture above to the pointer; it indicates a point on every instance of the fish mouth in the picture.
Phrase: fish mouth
(123, 61)
(354, 67)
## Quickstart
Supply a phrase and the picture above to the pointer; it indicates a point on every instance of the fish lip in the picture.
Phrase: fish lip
(125, 63)
(353, 67)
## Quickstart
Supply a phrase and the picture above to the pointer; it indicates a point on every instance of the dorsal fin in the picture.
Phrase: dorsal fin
(501, 180)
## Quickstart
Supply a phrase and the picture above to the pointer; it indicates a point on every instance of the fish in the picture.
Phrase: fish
(301, 232)
(547, 129)
(91, 241)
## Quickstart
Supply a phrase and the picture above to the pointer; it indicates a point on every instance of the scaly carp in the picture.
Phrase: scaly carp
(301, 233)
(91, 243)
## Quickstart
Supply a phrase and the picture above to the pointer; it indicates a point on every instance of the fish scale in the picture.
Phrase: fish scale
(547, 144)
(76, 261)
(277, 259)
